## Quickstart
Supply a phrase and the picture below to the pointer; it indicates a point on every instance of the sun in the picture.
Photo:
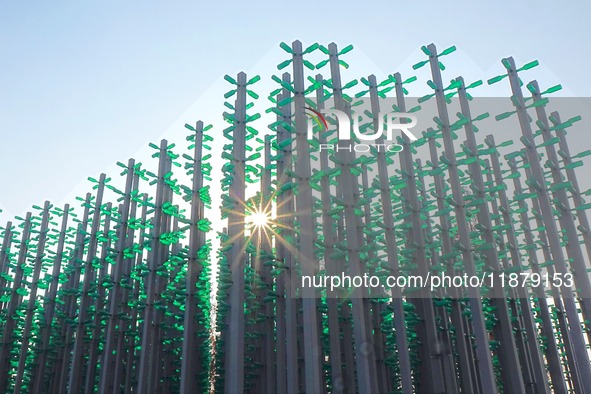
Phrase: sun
(258, 219)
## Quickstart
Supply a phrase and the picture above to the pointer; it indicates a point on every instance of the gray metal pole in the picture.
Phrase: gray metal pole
(551, 228)
(266, 250)
(463, 342)
(526, 329)
(562, 326)
(487, 379)
(132, 362)
(4, 256)
(287, 353)
(537, 382)
(125, 283)
(74, 269)
(565, 217)
(13, 303)
(191, 360)
(572, 178)
(95, 335)
(107, 383)
(554, 365)
(76, 375)
(431, 339)
(376, 308)
(446, 357)
(159, 284)
(234, 369)
(365, 375)
(329, 239)
(26, 335)
(391, 247)
(38, 375)
(147, 366)
(304, 203)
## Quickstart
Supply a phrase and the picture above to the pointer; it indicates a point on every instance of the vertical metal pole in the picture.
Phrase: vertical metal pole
(293, 304)
(329, 239)
(551, 228)
(445, 345)
(170, 335)
(4, 256)
(402, 344)
(304, 203)
(487, 379)
(132, 362)
(107, 383)
(280, 311)
(463, 342)
(376, 305)
(124, 313)
(159, 283)
(565, 217)
(74, 269)
(366, 377)
(504, 330)
(26, 335)
(93, 350)
(255, 349)
(191, 359)
(552, 356)
(76, 375)
(430, 350)
(572, 178)
(286, 308)
(266, 250)
(148, 365)
(526, 331)
(13, 303)
(38, 375)
(562, 326)
(234, 369)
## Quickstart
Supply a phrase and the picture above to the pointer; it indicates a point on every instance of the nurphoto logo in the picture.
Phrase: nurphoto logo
(389, 123)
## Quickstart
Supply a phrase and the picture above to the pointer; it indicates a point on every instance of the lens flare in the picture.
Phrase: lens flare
(258, 219)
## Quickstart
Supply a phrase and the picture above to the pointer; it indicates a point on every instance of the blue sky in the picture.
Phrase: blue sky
(84, 84)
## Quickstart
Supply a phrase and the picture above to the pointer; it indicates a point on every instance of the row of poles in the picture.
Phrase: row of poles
(123, 295)
(112, 301)
(454, 214)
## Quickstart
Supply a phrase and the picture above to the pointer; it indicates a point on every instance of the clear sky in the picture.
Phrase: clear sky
(84, 84)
